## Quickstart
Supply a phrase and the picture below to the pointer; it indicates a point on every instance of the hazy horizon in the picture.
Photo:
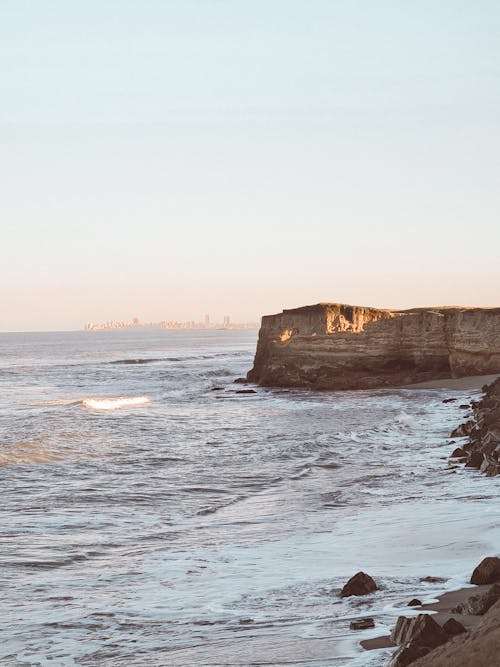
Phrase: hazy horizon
(163, 160)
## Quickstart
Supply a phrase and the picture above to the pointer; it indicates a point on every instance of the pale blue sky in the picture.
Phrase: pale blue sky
(165, 159)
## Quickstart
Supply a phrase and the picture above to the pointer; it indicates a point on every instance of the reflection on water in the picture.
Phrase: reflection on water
(194, 527)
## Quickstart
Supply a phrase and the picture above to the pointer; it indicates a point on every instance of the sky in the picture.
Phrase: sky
(165, 159)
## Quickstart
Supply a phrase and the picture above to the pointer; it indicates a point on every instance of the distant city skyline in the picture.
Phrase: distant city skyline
(206, 323)
(246, 157)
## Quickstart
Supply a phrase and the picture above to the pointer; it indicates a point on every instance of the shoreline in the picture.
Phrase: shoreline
(469, 382)
(441, 611)
(457, 617)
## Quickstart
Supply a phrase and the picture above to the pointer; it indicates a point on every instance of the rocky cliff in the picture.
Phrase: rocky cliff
(335, 346)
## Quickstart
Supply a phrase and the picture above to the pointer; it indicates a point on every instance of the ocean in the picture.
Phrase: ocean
(153, 515)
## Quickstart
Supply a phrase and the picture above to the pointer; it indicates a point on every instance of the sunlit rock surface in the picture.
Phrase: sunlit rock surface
(336, 346)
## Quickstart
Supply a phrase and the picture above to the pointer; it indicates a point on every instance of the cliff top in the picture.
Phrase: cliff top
(322, 305)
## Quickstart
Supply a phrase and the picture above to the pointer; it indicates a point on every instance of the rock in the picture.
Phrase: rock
(241, 381)
(487, 572)
(452, 627)
(475, 460)
(408, 654)
(400, 630)
(362, 624)
(433, 580)
(449, 400)
(464, 406)
(463, 430)
(414, 603)
(245, 391)
(337, 346)
(359, 584)
(488, 467)
(422, 629)
(478, 605)
(458, 452)
(216, 388)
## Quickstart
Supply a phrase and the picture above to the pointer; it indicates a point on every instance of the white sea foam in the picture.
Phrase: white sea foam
(114, 403)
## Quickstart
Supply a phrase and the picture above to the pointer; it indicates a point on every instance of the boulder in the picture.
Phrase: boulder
(452, 627)
(449, 400)
(475, 460)
(360, 584)
(487, 572)
(456, 453)
(362, 624)
(414, 603)
(408, 654)
(400, 630)
(422, 629)
(433, 580)
(463, 430)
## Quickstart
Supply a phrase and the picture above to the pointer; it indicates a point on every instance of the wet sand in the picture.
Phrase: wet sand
(458, 384)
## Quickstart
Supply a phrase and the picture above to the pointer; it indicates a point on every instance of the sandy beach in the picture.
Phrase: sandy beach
(457, 384)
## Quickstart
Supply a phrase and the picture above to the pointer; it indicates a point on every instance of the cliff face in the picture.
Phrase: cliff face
(335, 346)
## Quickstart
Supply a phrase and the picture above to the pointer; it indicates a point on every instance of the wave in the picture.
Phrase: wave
(136, 361)
(114, 403)
(58, 401)
(26, 453)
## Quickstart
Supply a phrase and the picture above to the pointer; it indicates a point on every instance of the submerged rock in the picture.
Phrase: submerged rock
(362, 624)
(360, 584)
(414, 603)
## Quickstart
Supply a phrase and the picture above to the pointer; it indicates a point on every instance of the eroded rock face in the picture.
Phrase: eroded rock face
(335, 346)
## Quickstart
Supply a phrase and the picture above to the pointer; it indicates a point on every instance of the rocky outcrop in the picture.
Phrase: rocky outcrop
(335, 346)
(482, 451)
(360, 584)
(478, 648)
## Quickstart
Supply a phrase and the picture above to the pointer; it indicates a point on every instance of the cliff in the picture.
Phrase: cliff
(336, 346)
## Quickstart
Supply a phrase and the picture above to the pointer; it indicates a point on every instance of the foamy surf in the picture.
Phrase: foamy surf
(114, 403)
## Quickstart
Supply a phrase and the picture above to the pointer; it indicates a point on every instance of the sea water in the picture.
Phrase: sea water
(152, 515)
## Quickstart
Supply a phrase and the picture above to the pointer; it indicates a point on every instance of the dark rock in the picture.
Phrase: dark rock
(408, 654)
(463, 430)
(433, 580)
(245, 391)
(216, 388)
(457, 453)
(362, 624)
(400, 630)
(489, 467)
(241, 381)
(449, 400)
(487, 572)
(475, 460)
(414, 603)
(452, 627)
(464, 406)
(422, 629)
(359, 584)
(246, 621)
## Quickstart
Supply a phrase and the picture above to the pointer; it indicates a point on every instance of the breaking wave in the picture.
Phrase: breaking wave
(114, 403)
